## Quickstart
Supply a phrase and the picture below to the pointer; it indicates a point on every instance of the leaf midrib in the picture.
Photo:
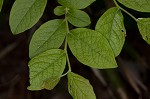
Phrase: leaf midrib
(24, 16)
(61, 55)
(45, 41)
(78, 18)
(89, 47)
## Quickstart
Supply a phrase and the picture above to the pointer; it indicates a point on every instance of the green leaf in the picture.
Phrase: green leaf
(1, 4)
(49, 36)
(111, 26)
(46, 69)
(79, 87)
(59, 10)
(50, 83)
(25, 13)
(76, 4)
(78, 18)
(138, 5)
(91, 48)
(144, 28)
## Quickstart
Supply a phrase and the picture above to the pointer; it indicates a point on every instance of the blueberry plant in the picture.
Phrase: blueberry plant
(94, 48)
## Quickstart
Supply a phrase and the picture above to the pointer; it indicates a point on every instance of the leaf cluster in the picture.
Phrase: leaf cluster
(94, 48)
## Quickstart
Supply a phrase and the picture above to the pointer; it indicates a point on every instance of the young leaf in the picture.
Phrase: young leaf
(1, 4)
(25, 13)
(46, 69)
(144, 28)
(111, 26)
(59, 10)
(139, 5)
(79, 87)
(78, 18)
(49, 36)
(91, 48)
(76, 4)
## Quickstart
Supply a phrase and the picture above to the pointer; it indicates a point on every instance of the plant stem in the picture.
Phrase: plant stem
(65, 48)
(124, 10)
(69, 66)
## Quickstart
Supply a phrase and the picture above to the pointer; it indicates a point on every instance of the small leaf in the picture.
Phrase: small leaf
(139, 5)
(78, 18)
(91, 48)
(1, 4)
(144, 28)
(79, 87)
(25, 13)
(76, 4)
(49, 36)
(59, 10)
(46, 69)
(111, 26)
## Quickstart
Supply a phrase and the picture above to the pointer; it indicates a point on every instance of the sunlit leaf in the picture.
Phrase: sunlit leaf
(46, 69)
(25, 13)
(49, 36)
(76, 4)
(59, 10)
(144, 28)
(91, 48)
(79, 87)
(78, 18)
(111, 25)
(138, 5)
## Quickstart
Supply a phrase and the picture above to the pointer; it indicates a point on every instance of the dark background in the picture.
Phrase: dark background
(131, 80)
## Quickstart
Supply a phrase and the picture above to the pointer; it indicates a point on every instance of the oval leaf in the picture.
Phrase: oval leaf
(139, 5)
(78, 18)
(144, 28)
(49, 36)
(76, 4)
(91, 48)
(46, 68)
(111, 26)
(79, 87)
(25, 13)
(59, 10)
(1, 4)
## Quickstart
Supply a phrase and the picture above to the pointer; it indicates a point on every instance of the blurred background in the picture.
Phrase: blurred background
(131, 80)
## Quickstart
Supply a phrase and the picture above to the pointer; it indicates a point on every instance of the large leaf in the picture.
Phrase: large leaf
(144, 28)
(91, 48)
(46, 69)
(49, 36)
(76, 4)
(139, 5)
(111, 26)
(1, 4)
(25, 13)
(79, 87)
(78, 18)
